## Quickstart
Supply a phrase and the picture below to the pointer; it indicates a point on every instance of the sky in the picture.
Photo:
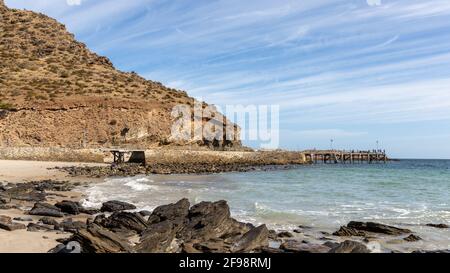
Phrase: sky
(355, 71)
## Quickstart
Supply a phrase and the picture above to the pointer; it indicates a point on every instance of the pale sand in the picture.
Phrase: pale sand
(24, 171)
(23, 241)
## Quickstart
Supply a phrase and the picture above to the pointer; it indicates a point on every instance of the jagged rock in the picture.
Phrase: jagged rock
(7, 224)
(346, 231)
(96, 239)
(113, 206)
(252, 240)
(23, 219)
(69, 225)
(331, 244)
(124, 220)
(412, 238)
(438, 225)
(32, 227)
(69, 207)
(171, 211)
(44, 209)
(285, 234)
(157, 238)
(212, 220)
(360, 228)
(49, 221)
(350, 247)
(378, 228)
(301, 247)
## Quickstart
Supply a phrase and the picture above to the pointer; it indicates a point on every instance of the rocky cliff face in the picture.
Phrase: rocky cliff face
(55, 92)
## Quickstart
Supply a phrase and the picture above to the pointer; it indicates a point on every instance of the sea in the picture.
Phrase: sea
(319, 198)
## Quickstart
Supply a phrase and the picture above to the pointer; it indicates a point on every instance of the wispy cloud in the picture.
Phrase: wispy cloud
(333, 62)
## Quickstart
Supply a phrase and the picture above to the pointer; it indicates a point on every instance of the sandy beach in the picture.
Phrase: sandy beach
(22, 241)
(16, 171)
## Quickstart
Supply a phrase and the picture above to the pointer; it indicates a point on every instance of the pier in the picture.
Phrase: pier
(136, 156)
(346, 157)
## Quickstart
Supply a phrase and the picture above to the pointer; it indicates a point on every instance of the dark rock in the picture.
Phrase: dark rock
(171, 211)
(350, 247)
(22, 219)
(438, 225)
(212, 220)
(285, 234)
(360, 229)
(69, 225)
(346, 231)
(331, 244)
(49, 221)
(32, 227)
(7, 224)
(125, 220)
(96, 239)
(113, 206)
(69, 207)
(300, 247)
(254, 239)
(157, 238)
(298, 231)
(378, 228)
(44, 209)
(412, 238)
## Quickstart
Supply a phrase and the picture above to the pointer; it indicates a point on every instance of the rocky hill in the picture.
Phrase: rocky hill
(54, 92)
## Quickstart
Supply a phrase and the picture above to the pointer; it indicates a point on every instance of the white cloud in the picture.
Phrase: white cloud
(73, 2)
(374, 2)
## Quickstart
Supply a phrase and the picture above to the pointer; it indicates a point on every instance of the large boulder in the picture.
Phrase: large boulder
(157, 238)
(170, 212)
(378, 228)
(69, 225)
(295, 246)
(212, 220)
(123, 221)
(350, 247)
(44, 209)
(255, 239)
(438, 225)
(361, 228)
(69, 207)
(96, 239)
(7, 224)
(113, 206)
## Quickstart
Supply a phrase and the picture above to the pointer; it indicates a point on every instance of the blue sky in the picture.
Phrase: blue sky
(356, 71)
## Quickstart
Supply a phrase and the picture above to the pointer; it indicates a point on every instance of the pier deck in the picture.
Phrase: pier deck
(346, 157)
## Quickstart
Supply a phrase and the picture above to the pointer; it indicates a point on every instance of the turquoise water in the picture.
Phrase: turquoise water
(407, 193)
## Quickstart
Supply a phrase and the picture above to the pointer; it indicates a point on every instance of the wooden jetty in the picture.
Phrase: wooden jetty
(346, 157)
(136, 156)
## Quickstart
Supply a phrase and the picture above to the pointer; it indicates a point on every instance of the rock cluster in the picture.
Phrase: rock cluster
(205, 227)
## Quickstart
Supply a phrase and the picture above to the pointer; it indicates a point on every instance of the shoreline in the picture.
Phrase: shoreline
(41, 241)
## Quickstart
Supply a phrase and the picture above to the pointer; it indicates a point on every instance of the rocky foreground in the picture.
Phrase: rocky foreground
(206, 227)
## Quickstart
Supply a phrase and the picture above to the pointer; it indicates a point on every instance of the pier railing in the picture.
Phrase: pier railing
(346, 157)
